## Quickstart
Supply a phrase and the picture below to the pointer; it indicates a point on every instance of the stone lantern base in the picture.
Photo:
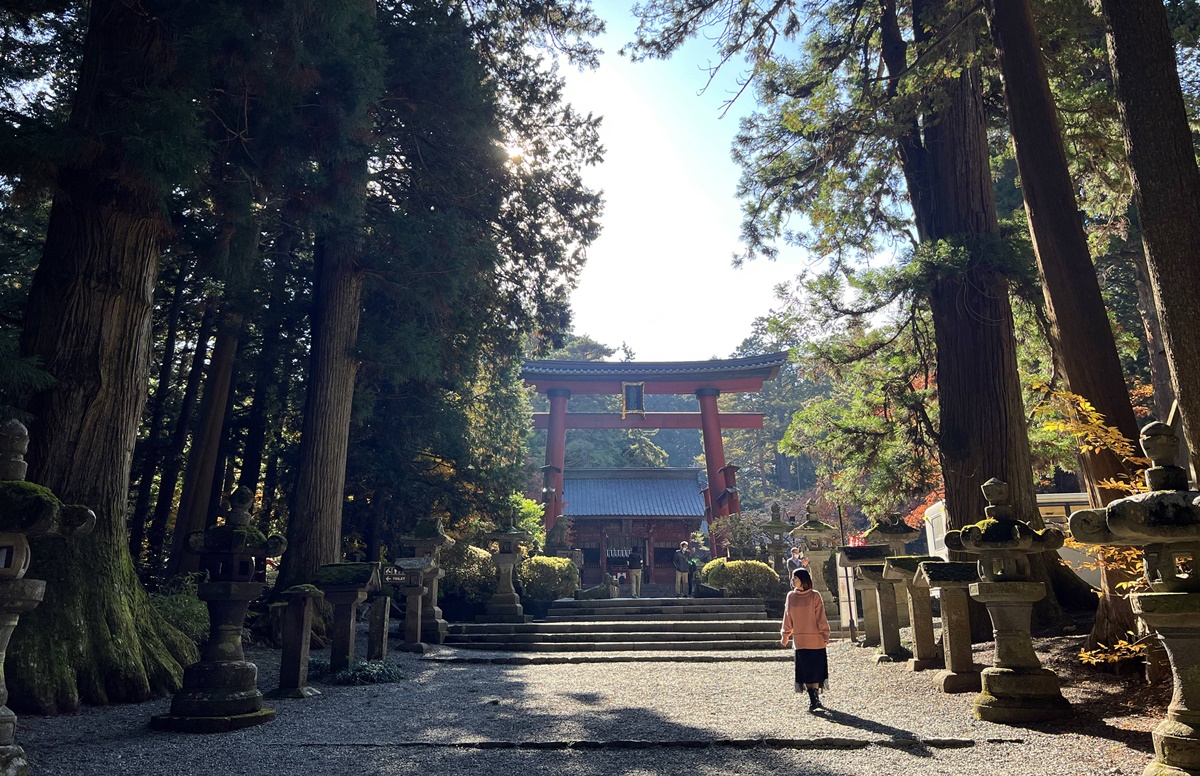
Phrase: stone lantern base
(217, 697)
(1016, 695)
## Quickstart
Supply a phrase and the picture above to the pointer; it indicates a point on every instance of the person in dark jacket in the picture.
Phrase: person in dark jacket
(635, 573)
(682, 564)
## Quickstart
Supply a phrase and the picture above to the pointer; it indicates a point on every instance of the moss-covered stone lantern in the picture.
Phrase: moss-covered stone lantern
(819, 540)
(345, 585)
(1015, 688)
(220, 692)
(427, 541)
(505, 605)
(26, 510)
(777, 532)
(1166, 522)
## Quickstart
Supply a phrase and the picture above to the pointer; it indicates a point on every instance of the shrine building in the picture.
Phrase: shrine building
(617, 510)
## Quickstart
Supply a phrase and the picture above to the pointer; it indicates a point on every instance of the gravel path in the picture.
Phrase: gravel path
(604, 719)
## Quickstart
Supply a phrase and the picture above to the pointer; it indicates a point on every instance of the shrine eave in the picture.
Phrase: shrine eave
(677, 377)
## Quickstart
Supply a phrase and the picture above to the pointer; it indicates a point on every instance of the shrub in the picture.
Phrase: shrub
(364, 672)
(742, 578)
(470, 579)
(183, 609)
(716, 573)
(547, 579)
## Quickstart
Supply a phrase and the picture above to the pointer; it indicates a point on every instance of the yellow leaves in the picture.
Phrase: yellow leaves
(1069, 413)
(1124, 649)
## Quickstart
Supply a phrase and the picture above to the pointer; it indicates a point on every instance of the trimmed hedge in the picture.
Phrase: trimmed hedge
(742, 578)
(546, 579)
(471, 576)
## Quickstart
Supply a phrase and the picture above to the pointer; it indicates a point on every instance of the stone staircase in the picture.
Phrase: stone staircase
(630, 624)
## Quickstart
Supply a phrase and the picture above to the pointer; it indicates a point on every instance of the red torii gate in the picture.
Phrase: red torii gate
(633, 380)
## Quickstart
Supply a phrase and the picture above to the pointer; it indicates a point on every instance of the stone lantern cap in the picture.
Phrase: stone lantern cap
(428, 533)
(890, 528)
(775, 526)
(1001, 529)
(35, 511)
(851, 556)
(31, 509)
(351, 575)
(237, 536)
(946, 573)
(905, 567)
(1166, 520)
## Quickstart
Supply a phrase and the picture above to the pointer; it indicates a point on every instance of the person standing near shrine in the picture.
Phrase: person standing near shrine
(635, 572)
(804, 624)
(796, 562)
(682, 566)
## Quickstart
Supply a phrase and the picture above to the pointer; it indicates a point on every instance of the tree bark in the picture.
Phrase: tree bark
(315, 525)
(1166, 185)
(1160, 370)
(173, 459)
(95, 637)
(1079, 327)
(202, 460)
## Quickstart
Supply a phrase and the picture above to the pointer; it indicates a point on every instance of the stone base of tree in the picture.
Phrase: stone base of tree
(187, 724)
(1012, 695)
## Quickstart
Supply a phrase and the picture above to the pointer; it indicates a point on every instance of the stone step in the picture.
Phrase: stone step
(620, 626)
(623, 646)
(662, 612)
(661, 617)
(570, 603)
(459, 639)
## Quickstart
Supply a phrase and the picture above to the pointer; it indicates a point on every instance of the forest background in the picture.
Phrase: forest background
(303, 248)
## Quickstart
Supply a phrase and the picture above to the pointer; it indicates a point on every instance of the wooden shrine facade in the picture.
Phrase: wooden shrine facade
(633, 381)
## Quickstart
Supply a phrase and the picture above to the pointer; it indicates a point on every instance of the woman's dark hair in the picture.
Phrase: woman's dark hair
(804, 577)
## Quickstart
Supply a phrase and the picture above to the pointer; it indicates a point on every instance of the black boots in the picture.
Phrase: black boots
(814, 700)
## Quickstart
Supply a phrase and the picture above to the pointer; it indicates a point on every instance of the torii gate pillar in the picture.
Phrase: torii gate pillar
(714, 450)
(556, 455)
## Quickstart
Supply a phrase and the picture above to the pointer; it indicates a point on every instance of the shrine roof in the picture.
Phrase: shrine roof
(633, 493)
(733, 374)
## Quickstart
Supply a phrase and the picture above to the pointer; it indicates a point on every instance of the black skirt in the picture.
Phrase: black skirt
(812, 667)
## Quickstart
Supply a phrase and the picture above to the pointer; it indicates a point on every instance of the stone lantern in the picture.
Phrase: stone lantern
(1015, 688)
(1166, 522)
(820, 540)
(220, 693)
(409, 574)
(505, 605)
(867, 562)
(427, 541)
(26, 510)
(892, 531)
(777, 532)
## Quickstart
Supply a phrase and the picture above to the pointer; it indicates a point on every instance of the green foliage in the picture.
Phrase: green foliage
(182, 608)
(547, 579)
(742, 578)
(366, 672)
(470, 575)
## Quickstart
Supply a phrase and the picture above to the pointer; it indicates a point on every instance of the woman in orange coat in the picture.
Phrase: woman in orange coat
(804, 624)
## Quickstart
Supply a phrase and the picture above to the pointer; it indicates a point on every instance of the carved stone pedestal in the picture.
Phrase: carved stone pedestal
(220, 693)
(951, 580)
(297, 632)
(1176, 617)
(1016, 688)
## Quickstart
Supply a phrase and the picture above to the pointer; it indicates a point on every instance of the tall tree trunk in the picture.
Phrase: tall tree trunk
(982, 431)
(202, 460)
(95, 637)
(151, 446)
(156, 536)
(1166, 185)
(1079, 327)
(1160, 370)
(315, 524)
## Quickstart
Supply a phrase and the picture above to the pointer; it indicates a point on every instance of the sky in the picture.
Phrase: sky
(660, 277)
